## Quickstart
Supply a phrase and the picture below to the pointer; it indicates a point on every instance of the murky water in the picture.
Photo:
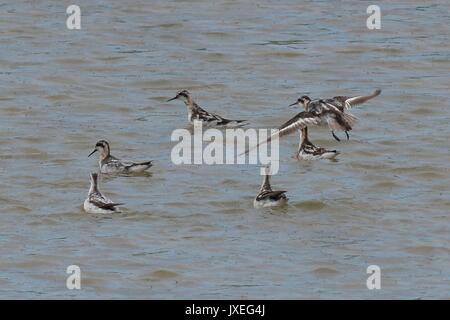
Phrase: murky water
(191, 231)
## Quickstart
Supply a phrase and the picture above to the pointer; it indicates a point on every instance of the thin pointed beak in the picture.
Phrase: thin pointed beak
(90, 154)
(294, 104)
(176, 97)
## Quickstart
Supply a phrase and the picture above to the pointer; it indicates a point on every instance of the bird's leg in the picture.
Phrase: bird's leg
(335, 136)
(346, 133)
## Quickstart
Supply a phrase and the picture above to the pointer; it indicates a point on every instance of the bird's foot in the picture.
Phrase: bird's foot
(335, 136)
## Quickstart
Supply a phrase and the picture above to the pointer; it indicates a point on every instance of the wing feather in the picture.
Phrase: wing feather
(300, 121)
(353, 101)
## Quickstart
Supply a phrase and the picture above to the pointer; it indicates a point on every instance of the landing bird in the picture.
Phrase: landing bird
(308, 151)
(267, 197)
(341, 103)
(195, 112)
(110, 164)
(332, 115)
(96, 202)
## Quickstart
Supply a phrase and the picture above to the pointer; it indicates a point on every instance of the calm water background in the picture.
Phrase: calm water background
(191, 231)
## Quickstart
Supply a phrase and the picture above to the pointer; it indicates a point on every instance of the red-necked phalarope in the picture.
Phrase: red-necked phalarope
(268, 198)
(329, 113)
(340, 103)
(195, 112)
(96, 202)
(110, 164)
(308, 151)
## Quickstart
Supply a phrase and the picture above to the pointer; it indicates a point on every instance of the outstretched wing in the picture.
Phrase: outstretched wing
(300, 121)
(350, 102)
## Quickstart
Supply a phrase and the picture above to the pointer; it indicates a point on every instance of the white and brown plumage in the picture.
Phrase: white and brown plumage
(346, 103)
(96, 202)
(267, 197)
(195, 112)
(110, 164)
(329, 113)
(338, 103)
(305, 119)
(308, 151)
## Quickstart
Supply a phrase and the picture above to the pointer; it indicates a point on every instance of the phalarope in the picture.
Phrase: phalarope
(195, 112)
(308, 151)
(267, 197)
(110, 164)
(341, 103)
(329, 113)
(96, 202)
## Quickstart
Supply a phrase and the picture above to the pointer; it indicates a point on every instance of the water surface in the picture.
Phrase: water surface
(191, 231)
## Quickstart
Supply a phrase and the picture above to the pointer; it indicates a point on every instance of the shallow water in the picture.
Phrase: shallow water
(191, 231)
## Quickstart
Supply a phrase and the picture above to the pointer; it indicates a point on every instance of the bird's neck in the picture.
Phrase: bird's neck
(304, 135)
(266, 184)
(190, 104)
(104, 153)
(93, 187)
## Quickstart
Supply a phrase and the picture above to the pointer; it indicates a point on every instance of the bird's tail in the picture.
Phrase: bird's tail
(349, 119)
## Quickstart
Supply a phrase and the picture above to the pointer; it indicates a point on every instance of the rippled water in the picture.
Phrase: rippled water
(191, 231)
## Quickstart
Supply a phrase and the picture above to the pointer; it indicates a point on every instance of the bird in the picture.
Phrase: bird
(305, 119)
(110, 164)
(96, 202)
(195, 112)
(329, 113)
(308, 151)
(341, 103)
(267, 197)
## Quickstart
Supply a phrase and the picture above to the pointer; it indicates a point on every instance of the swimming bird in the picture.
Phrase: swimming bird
(110, 164)
(96, 202)
(195, 112)
(329, 113)
(308, 151)
(267, 197)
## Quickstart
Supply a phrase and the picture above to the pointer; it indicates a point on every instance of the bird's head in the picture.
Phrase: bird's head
(101, 146)
(182, 95)
(302, 101)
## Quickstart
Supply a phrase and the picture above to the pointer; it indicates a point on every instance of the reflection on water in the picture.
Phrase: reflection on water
(191, 231)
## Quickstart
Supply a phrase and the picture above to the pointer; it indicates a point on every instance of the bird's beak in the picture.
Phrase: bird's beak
(90, 154)
(176, 97)
(294, 104)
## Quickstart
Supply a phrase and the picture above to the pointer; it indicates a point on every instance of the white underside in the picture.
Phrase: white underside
(269, 203)
(113, 169)
(91, 208)
(326, 155)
